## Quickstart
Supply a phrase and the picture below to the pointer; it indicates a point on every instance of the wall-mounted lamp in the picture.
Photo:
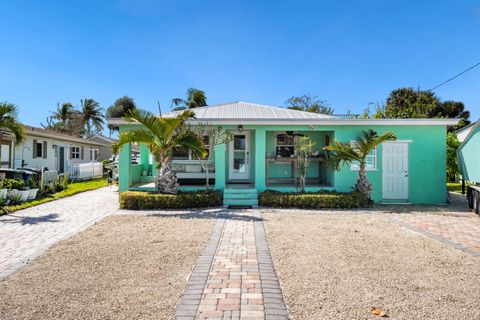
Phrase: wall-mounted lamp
(54, 146)
(240, 128)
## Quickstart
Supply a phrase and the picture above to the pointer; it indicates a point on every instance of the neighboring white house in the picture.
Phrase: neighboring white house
(53, 150)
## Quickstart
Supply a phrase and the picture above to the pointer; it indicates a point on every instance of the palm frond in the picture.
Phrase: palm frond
(131, 136)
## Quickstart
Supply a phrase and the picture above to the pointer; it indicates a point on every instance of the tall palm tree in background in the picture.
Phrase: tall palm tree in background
(195, 98)
(60, 118)
(161, 135)
(346, 153)
(9, 121)
(92, 117)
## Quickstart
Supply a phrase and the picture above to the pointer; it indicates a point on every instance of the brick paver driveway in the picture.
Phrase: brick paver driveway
(25, 234)
(455, 224)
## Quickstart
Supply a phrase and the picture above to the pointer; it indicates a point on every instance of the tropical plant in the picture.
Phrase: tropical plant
(195, 98)
(303, 154)
(214, 136)
(92, 117)
(347, 153)
(309, 103)
(161, 135)
(9, 121)
(452, 165)
(60, 118)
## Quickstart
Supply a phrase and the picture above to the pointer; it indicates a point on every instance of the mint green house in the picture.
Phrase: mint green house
(260, 156)
(468, 154)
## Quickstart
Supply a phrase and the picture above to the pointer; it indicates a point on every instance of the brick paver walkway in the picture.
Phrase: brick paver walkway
(455, 225)
(234, 278)
(25, 234)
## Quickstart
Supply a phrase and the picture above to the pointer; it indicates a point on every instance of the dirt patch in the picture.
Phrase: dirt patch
(339, 266)
(125, 267)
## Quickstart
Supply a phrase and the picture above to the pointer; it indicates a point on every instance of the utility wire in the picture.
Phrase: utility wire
(454, 77)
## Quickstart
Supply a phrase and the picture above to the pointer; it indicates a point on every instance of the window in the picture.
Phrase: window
(75, 152)
(370, 160)
(181, 154)
(93, 154)
(39, 149)
(285, 146)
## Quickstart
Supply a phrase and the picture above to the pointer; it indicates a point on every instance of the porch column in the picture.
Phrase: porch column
(220, 166)
(144, 152)
(260, 155)
(124, 163)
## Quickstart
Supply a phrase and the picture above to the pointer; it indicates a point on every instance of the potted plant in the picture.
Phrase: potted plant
(33, 191)
(3, 190)
(12, 186)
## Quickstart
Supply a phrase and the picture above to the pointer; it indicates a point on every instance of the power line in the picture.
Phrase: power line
(454, 77)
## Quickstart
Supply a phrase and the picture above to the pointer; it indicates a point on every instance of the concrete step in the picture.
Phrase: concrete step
(240, 196)
(240, 202)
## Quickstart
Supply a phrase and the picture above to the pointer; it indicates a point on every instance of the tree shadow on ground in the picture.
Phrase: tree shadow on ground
(27, 220)
(230, 214)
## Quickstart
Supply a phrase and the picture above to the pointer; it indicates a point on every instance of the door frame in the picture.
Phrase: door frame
(231, 174)
(407, 189)
(59, 147)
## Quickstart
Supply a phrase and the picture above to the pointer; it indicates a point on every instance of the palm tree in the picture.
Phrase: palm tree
(62, 115)
(161, 135)
(9, 121)
(195, 98)
(93, 118)
(346, 153)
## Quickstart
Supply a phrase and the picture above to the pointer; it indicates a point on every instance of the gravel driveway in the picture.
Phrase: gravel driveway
(339, 265)
(123, 267)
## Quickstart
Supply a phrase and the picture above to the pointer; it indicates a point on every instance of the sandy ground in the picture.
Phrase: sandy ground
(125, 267)
(338, 266)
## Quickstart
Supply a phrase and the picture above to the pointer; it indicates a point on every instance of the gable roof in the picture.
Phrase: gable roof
(245, 110)
(40, 132)
(463, 133)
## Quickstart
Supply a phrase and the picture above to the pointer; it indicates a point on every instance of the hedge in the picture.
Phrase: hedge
(138, 200)
(313, 200)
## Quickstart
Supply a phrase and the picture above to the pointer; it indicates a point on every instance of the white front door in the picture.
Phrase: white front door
(239, 156)
(395, 170)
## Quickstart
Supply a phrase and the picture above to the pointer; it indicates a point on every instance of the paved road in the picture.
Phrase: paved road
(28, 233)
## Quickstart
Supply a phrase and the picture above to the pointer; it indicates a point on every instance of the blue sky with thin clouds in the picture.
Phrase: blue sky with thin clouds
(350, 53)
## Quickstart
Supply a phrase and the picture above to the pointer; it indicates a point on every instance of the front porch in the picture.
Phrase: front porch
(258, 158)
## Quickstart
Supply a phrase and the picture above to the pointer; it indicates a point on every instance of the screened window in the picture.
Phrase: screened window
(181, 154)
(370, 160)
(285, 146)
(39, 150)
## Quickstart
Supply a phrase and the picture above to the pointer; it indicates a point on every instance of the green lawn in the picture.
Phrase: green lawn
(456, 186)
(73, 188)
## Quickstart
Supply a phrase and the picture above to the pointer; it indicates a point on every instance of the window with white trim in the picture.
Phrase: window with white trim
(75, 152)
(370, 160)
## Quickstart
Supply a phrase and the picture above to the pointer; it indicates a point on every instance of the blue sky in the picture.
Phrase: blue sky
(350, 53)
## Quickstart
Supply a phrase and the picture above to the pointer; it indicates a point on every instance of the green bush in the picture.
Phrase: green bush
(313, 200)
(138, 200)
(13, 184)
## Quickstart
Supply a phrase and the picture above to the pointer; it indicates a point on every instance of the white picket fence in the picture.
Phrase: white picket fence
(85, 171)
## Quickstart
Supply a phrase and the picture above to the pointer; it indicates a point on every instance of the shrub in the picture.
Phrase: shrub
(137, 200)
(313, 200)
(13, 184)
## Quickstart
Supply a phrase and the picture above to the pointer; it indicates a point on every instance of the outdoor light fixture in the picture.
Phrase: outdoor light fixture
(240, 128)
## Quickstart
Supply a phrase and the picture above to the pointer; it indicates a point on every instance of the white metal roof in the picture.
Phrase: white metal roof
(244, 113)
(245, 110)
(463, 133)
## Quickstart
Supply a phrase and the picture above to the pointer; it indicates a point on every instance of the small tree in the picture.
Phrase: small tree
(346, 153)
(303, 152)
(161, 135)
(309, 103)
(452, 166)
(216, 136)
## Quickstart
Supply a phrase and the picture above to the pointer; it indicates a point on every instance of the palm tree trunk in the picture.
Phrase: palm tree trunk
(167, 178)
(363, 185)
